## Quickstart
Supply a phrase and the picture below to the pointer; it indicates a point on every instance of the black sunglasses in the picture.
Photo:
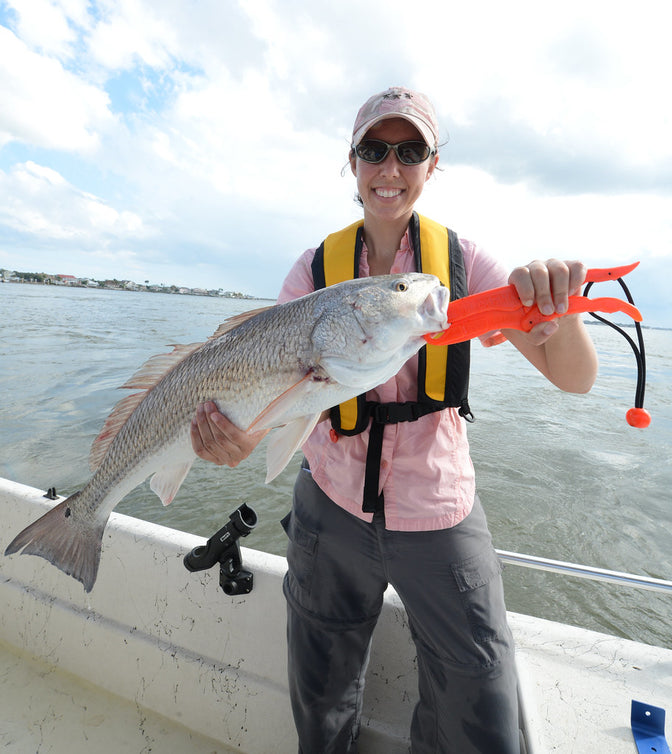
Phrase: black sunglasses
(408, 152)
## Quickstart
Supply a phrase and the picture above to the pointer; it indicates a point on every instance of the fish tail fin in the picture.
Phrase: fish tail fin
(66, 540)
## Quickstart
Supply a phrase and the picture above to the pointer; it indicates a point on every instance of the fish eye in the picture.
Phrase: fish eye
(401, 286)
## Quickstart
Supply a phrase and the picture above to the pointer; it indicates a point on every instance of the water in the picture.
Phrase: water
(560, 476)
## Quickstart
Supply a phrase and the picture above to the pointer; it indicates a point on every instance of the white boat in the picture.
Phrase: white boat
(160, 659)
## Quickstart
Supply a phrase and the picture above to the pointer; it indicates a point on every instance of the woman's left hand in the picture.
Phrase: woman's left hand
(560, 349)
(548, 285)
(214, 438)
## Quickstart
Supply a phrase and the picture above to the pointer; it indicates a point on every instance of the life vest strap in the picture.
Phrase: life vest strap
(382, 414)
(373, 501)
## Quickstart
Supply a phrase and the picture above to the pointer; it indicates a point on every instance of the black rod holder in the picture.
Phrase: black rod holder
(223, 548)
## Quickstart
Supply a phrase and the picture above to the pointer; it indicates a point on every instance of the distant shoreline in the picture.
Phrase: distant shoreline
(107, 285)
(183, 291)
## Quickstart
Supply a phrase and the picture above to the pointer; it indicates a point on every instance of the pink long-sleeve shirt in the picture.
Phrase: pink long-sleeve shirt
(426, 473)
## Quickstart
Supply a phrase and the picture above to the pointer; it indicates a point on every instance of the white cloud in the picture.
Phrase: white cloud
(42, 204)
(578, 77)
(130, 32)
(520, 225)
(43, 104)
(47, 25)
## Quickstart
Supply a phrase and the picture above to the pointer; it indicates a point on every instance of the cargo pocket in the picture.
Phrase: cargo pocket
(301, 550)
(482, 594)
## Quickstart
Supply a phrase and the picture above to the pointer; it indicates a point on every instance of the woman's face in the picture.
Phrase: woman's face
(389, 189)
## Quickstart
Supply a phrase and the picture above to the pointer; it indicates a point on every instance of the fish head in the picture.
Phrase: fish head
(369, 327)
(392, 308)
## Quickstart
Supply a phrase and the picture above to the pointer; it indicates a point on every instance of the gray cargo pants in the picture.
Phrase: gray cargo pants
(450, 584)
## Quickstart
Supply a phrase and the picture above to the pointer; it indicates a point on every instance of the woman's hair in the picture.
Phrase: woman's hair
(357, 198)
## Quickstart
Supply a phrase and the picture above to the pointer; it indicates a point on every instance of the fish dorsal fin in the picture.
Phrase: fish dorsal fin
(232, 322)
(149, 374)
(113, 424)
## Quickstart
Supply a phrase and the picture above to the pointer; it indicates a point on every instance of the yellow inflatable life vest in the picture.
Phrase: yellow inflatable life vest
(443, 371)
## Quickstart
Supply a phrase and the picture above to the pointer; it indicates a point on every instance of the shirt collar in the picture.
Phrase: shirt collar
(404, 246)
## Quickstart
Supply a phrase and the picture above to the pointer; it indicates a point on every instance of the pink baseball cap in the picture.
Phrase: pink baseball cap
(398, 102)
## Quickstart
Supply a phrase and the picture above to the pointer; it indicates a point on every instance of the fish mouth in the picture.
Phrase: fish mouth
(434, 310)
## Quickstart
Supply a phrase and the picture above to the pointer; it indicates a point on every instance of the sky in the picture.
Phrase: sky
(202, 142)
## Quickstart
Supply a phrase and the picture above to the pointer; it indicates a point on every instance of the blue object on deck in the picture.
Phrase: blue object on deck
(648, 728)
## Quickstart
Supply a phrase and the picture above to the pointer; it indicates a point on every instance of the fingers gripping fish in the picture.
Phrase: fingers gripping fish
(278, 367)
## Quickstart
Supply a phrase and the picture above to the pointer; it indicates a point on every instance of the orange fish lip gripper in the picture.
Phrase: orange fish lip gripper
(501, 308)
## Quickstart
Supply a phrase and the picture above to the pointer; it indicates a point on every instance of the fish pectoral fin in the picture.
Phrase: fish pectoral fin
(275, 414)
(284, 442)
(167, 481)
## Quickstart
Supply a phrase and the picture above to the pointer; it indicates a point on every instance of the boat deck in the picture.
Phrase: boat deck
(578, 686)
(48, 711)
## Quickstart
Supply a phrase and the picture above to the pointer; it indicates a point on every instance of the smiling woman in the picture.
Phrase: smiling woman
(390, 482)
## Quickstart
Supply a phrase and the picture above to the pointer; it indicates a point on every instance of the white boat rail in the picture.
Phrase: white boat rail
(585, 572)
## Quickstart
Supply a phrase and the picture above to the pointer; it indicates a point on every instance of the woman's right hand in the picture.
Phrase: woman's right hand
(214, 438)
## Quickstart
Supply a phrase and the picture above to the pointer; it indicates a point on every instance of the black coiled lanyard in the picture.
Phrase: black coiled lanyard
(637, 416)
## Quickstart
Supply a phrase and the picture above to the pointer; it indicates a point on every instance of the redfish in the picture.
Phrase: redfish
(278, 367)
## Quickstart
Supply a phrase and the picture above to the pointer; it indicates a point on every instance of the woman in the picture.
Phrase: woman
(396, 502)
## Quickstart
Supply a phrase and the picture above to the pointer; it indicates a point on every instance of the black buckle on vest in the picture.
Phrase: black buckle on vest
(393, 413)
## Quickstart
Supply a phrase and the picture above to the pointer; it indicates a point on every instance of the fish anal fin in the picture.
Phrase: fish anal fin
(238, 319)
(284, 442)
(168, 480)
(66, 540)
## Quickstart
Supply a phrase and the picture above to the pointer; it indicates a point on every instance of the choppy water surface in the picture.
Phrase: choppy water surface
(560, 476)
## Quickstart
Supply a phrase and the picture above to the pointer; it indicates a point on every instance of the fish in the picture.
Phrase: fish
(274, 368)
